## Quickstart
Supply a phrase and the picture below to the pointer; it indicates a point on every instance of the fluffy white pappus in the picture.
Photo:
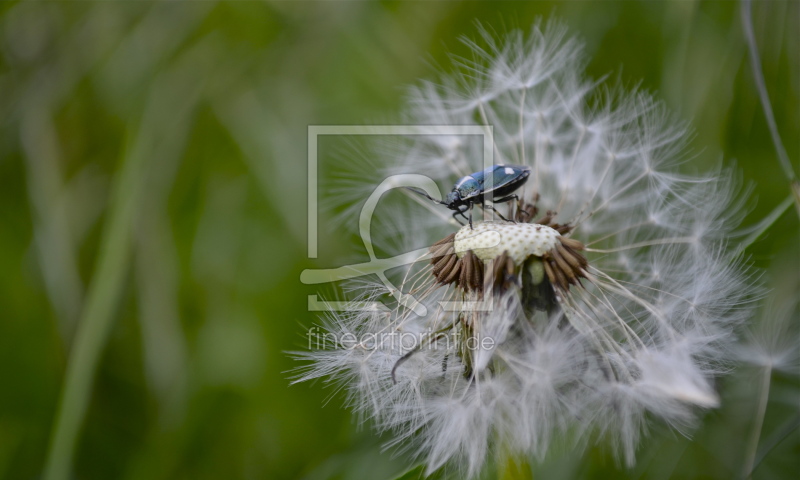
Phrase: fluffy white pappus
(638, 335)
(771, 343)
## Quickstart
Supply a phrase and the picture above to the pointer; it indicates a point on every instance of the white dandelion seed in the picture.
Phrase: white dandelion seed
(772, 342)
(613, 297)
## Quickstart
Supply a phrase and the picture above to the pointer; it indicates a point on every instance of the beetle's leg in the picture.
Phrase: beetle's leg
(523, 213)
(461, 211)
(508, 199)
(527, 211)
(456, 218)
(470, 217)
(498, 213)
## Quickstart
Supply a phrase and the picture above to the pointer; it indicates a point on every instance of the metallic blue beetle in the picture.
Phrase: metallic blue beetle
(472, 189)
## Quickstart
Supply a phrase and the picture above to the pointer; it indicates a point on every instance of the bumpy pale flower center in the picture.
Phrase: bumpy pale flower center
(519, 240)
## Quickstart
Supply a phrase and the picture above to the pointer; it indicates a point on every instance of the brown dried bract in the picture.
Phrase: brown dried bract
(466, 272)
(472, 271)
(504, 273)
(526, 211)
(564, 265)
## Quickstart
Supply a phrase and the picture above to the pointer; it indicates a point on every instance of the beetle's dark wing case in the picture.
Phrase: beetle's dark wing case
(511, 176)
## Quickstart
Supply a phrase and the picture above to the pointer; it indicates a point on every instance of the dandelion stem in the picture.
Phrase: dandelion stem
(756, 435)
(758, 77)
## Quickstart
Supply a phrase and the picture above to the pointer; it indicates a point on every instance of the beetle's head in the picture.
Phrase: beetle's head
(452, 199)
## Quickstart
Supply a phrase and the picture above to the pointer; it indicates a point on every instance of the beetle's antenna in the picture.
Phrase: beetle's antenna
(425, 195)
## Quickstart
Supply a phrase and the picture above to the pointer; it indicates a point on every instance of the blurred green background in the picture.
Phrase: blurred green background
(153, 176)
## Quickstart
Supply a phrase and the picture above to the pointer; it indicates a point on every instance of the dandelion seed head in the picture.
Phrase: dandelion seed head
(612, 299)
